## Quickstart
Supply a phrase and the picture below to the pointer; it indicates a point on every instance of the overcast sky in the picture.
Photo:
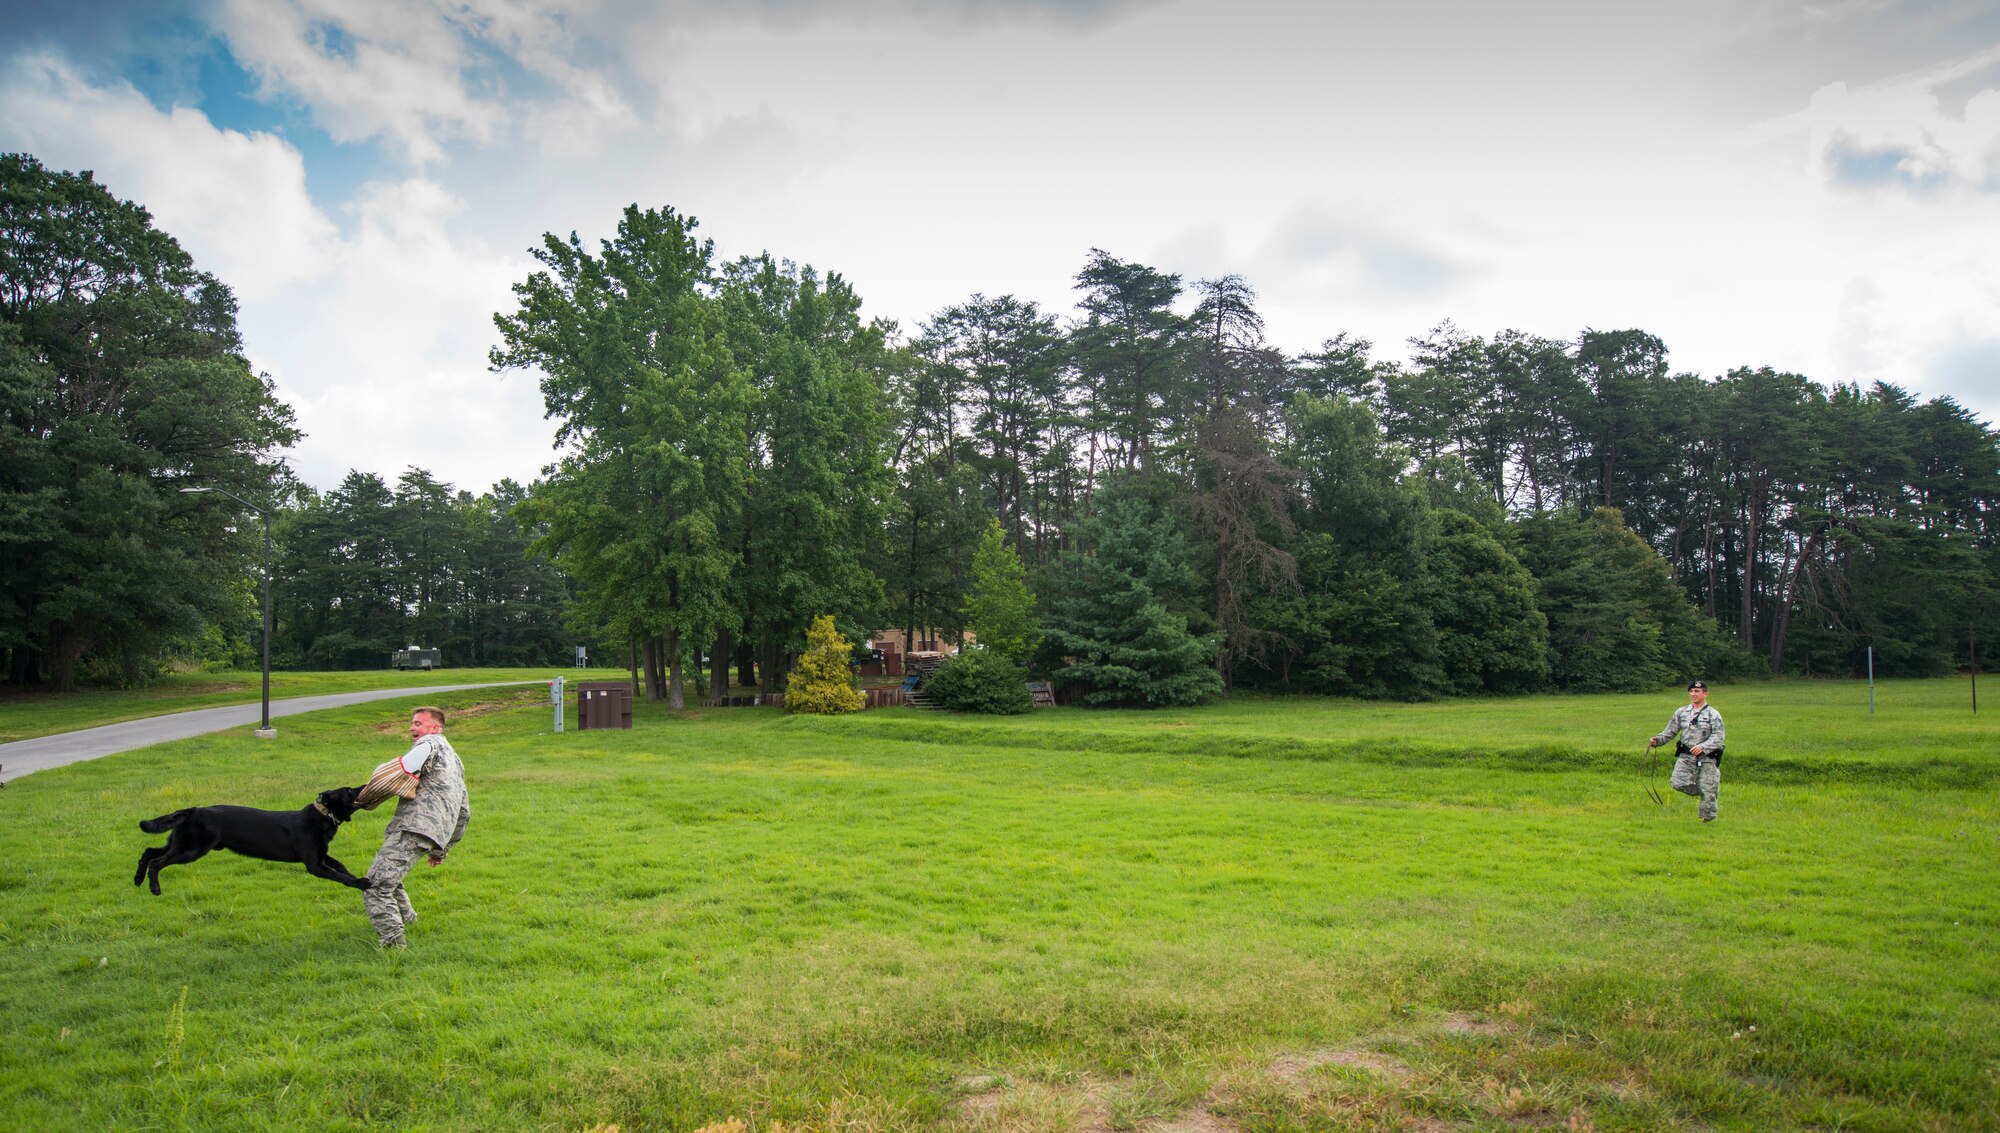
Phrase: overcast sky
(1809, 186)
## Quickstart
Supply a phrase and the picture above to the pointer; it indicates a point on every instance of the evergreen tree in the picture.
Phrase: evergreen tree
(1114, 622)
(823, 684)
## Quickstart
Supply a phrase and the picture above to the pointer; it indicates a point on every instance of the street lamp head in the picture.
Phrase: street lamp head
(195, 491)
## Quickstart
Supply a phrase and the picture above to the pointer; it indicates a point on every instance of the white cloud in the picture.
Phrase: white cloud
(377, 339)
(385, 360)
(367, 68)
(1367, 169)
(424, 74)
(237, 202)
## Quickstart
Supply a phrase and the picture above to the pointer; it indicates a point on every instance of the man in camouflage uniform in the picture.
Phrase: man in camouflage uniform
(1698, 766)
(426, 826)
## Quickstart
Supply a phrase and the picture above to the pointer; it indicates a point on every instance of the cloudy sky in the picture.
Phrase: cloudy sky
(1810, 186)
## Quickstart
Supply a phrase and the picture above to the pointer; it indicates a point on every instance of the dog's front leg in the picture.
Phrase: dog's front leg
(319, 867)
(336, 863)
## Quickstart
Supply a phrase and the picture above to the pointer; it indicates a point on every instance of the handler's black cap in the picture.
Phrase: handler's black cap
(1702, 685)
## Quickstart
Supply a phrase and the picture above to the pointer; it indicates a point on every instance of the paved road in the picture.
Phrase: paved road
(24, 756)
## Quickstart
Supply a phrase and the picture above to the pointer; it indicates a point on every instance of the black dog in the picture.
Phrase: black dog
(274, 835)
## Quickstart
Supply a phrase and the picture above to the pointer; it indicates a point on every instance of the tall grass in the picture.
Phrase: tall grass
(1262, 915)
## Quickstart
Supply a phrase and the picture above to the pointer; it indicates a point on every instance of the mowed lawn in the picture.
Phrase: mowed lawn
(1262, 915)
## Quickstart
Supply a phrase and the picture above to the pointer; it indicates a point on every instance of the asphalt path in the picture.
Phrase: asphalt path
(25, 756)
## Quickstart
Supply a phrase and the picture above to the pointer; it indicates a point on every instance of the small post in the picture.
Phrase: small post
(1871, 680)
(556, 694)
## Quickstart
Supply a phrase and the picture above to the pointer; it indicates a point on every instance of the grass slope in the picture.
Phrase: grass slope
(26, 714)
(1262, 916)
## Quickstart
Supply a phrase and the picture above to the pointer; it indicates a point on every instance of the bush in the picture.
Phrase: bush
(823, 685)
(981, 680)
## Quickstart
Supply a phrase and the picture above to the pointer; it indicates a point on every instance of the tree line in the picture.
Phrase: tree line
(366, 568)
(1186, 507)
(1494, 514)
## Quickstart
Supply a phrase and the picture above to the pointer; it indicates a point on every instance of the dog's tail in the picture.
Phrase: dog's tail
(163, 823)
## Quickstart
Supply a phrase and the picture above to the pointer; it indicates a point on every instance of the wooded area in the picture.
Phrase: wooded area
(1180, 505)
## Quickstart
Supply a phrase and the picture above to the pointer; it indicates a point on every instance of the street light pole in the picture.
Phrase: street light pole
(264, 730)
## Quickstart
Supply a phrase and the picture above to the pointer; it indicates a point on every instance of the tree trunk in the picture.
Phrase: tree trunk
(1749, 567)
(718, 681)
(652, 668)
(1788, 586)
(767, 676)
(26, 668)
(632, 662)
(1708, 559)
(676, 698)
(67, 651)
(746, 664)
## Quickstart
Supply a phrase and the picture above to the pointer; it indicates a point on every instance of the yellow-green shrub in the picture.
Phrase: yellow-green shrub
(822, 684)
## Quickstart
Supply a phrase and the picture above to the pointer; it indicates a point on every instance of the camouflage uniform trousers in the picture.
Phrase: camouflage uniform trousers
(1701, 778)
(388, 906)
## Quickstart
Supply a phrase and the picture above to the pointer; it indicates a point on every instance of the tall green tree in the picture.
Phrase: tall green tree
(1491, 636)
(1360, 624)
(1130, 350)
(1240, 491)
(653, 411)
(1008, 358)
(933, 522)
(1119, 623)
(1616, 620)
(817, 483)
(999, 608)
(122, 380)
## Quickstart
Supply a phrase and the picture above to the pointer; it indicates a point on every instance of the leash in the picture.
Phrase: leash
(1653, 776)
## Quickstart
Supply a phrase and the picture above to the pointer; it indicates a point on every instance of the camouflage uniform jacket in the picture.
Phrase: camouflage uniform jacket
(440, 809)
(1702, 729)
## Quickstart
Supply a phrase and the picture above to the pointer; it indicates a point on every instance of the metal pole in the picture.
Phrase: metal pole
(1972, 639)
(1871, 680)
(266, 725)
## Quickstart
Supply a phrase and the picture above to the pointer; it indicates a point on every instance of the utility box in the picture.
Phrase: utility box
(603, 704)
(415, 658)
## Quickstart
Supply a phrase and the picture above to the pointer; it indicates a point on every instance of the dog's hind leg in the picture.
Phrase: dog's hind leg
(172, 855)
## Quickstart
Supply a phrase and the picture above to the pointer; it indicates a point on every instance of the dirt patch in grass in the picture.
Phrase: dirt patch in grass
(1293, 1068)
(1462, 1023)
(1084, 1105)
(1194, 1121)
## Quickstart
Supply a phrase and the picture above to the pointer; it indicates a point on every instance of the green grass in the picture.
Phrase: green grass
(1264, 915)
(28, 713)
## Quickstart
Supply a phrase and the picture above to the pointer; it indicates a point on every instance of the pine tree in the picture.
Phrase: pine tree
(1116, 623)
(822, 684)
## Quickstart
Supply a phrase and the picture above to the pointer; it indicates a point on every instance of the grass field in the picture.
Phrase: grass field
(30, 713)
(1262, 915)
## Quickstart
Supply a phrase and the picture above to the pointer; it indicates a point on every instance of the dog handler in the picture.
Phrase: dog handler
(426, 825)
(1698, 762)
